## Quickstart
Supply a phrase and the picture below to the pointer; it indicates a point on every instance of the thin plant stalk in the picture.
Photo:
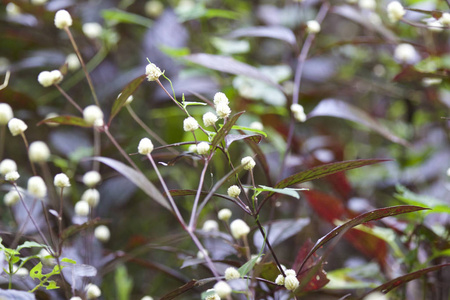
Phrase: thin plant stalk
(68, 98)
(2, 140)
(88, 77)
(97, 150)
(197, 196)
(28, 148)
(113, 140)
(203, 250)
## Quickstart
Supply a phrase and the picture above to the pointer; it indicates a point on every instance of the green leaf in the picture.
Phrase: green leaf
(225, 130)
(124, 283)
(36, 271)
(68, 260)
(221, 13)
(66, 120)
(248, 266)
(363, 218)
(285, 191)
(51, 285)
(121, 16)
(126, 92)
(29, 244)
(249, 129)
(174, 52)
(408, 197)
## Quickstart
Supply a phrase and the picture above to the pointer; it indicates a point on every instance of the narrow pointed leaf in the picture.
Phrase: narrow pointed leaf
(363, 218)
(275, 32)
(250, 129)
(66, 120)
(126, 92)
(137, 178)
(230, 138)
(182, 289)
(225, 130)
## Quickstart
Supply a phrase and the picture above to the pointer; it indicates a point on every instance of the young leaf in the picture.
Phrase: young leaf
(224, 130)
(50, 285)
(137, 178)
(29, 244)
(68, 260)
(284, 191)
(248, 266)
(66, 120)
(126, 92)
(249, 129)
(363, 218)
(36, 272)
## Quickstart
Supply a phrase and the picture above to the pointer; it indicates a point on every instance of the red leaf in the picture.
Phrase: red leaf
(326, 206)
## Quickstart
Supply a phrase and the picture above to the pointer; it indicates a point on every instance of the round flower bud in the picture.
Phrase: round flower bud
(38, 2)
(102, 233)
(298, 112)
(17, 126)
(190, 124)
(36, 187)
(63, 19)
(256, 125)
(202, 254)
(154, 8)
(291, 282)
(22, 272)
(61, 180)
(92, 113)
(223, 110)
(192, 148)
(248, 163)
(290, 272)
(202, 148)
(7, 165)
(6, 113)
(210, 225)
(222, 289)
(12, 9)
(231, 273)
(209, 119)
(56, 76)
(234, 191)
(405, 53)
(91, 178)
(445, 19)
(92, 30)
(11, 197)
(91, 196)
(224, 214)
(145, 146)
(367, 4)
(212, 295)
(93, 291)
(46, 257)
(376, 296)
(45, 78)
(152, 72)
(72, 61)
(239, 228)
(38, 152)
(259, 258)
(12, 176)
(279, 280)
(312, 26)
(129, 100)
(76, 298)
(81, 208)
(395, 11)
(220, 98)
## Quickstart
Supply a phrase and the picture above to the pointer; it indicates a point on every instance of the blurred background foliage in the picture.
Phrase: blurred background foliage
(360, 100)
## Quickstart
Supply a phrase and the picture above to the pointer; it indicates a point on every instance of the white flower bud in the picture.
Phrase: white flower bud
(91, 196)
(256, 125)
(202, 148)
(376, 296)
(6, 113)
(234, 191)
(239, 229)
(445, 19)
(82, 208)
(259, 258)
(91, 178)
(212, 295)
(92, 30)
(93, 291)
(298, 112)
(129, 100)
(367, 4)
(49, 116)
(22, 272)
(223, 110)
(210, 225)
(92, 113)
(61, 180)
(11, 197)
(395, 11)
(291, 282)
(222, 289)
(209, 119)
(56, 76)
(279, 280)
(248, 163)
(224, 214)
(63, 19)
(312, 26)
(102, 233)
(231, 273)
(435, 25)
(12, 176)
(7, 165)
(72, 61)
(152, 72)
(145, 146)
(202, 254)
(17, 126)
(38, 152)
(12, 9)
(448, 172)
(45, 78)
(36, 187)
(290, 272)
(427, 81)
(190, 124)
(45, 259)
(38, 2)
(405, 53)
(154, 8)
(192, 148)
(76, 298)
(220, 98)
